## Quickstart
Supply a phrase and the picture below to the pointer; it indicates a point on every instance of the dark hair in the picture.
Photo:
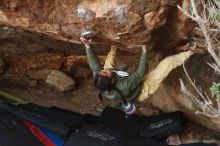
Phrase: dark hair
(103, 83)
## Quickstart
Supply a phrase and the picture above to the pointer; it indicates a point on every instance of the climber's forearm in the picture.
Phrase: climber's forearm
(93, 60)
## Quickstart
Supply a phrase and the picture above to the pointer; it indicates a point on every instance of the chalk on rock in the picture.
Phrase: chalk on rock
(60, 81)
(85, 14)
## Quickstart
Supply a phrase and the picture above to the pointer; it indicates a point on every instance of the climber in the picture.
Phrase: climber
(138, 86)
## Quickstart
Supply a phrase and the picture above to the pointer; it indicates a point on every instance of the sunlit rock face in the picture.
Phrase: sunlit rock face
(122, 22)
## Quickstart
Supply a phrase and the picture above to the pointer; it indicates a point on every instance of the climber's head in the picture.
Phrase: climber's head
(106, 73)
(104, 80)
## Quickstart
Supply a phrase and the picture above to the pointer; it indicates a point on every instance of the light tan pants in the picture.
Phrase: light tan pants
(153, 79)
(110, 60)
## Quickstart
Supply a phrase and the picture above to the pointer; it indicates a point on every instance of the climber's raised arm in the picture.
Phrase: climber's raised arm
(142, 68)
(135, 79)
(93, 60)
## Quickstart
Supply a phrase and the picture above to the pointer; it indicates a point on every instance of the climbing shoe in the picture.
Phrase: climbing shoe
(192, 45)
(195, 46)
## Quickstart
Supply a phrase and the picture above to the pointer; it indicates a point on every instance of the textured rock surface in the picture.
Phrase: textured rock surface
(60, 81)
(156, 23)
(170, 98)
(193, 134)
(123, 22)
(2, 66)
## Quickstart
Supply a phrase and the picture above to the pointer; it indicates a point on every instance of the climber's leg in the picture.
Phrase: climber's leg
(152, 80)
(110, 60)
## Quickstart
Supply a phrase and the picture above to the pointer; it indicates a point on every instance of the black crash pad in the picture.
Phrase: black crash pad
(14, 133)
(97, 135)
(154, 127)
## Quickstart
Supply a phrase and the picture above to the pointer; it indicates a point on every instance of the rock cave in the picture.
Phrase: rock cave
(39, 39)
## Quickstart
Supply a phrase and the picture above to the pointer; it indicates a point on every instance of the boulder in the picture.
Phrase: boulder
(122, 22)
(171, 96)
(60, 81)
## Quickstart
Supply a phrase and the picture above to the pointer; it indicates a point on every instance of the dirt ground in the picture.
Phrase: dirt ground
(82, 100)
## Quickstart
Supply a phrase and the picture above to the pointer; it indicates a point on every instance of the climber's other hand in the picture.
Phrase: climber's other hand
(144, 48)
